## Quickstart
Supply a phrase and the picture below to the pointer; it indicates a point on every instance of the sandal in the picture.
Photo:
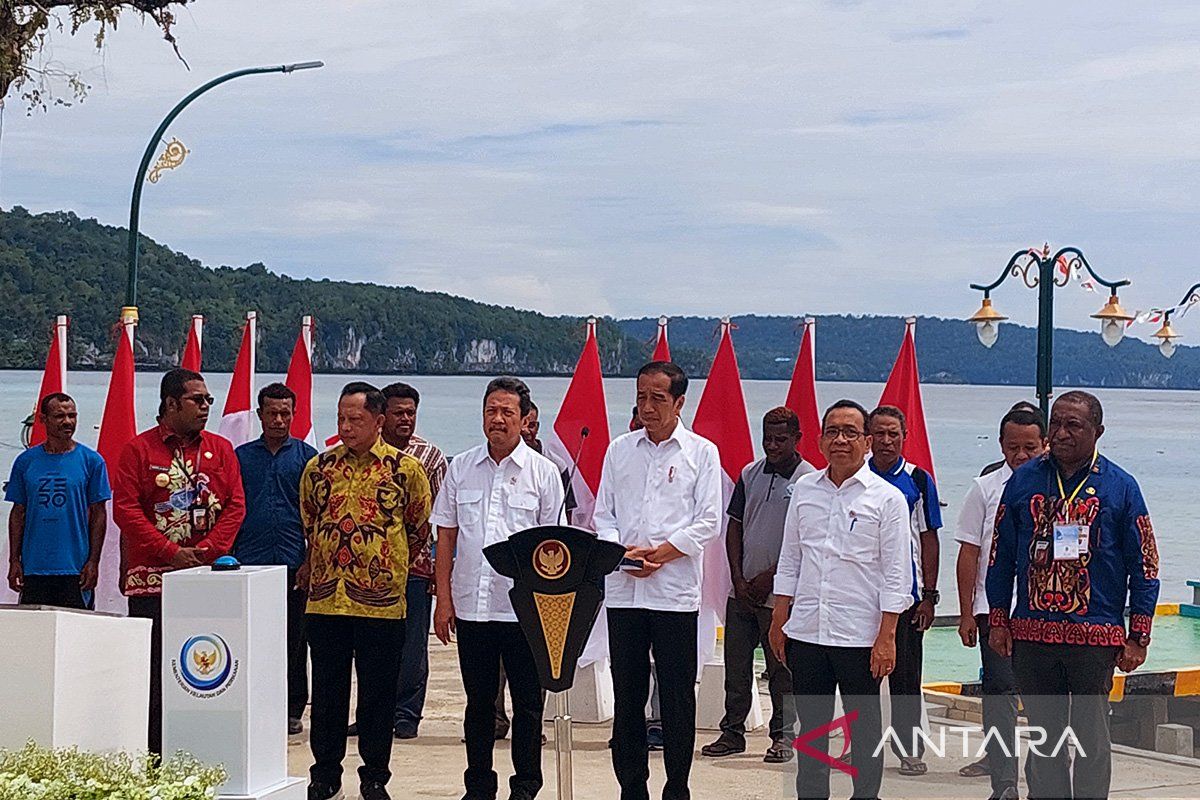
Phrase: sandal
(913, 767)
(977, 769)
(721, 748)
(779, 753)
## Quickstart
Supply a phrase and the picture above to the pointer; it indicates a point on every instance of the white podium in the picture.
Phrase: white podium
(225, 676)
(73, 678)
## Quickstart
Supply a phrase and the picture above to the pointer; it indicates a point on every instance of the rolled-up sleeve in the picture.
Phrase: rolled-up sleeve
(445, 504)
(706, 521)
(604, 517)
(895, 554)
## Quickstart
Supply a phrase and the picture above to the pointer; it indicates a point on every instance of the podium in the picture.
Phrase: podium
(73, 678)
(225, 676)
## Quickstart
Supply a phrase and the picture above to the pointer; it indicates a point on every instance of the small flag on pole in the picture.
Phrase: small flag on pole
(662, 350)
(237, 421)
(54, 378)
(903, 390)
(192, 358)
(300, 380)
(802, 397)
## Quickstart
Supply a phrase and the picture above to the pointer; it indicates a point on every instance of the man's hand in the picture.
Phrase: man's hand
(1132, 657)
(16, 576)
(778, 641)
(89, 576)
(443, 619)
(883, 655)
(663, 553)
(968, 630)
(303, 575)
(761, 586)
(923, 617)
(649, 565)
(186, 558)
(1000, 640)
(741, 590)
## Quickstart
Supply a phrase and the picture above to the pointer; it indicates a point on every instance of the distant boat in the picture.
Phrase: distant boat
(783, 359)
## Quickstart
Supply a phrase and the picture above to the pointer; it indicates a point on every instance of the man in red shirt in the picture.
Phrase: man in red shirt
(177, 498)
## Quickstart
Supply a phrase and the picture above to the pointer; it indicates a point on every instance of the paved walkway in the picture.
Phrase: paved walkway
(431, 766)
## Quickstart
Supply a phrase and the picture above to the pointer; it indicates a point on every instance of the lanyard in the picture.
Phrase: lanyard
(1062, 492)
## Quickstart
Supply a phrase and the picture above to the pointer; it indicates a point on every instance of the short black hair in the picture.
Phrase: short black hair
(1025, 404)
(634, 415)
(374, 398)
(507, 383)
(1095, 410)
(173, 386)
(53, 397)
(1024, 416)
(679, 379)
(533, 407)
(276, 391)
(782, 415)
(847, 404)
(402, 391)
(889, 411)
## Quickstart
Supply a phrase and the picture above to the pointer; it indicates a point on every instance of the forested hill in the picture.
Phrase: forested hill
(57, 263)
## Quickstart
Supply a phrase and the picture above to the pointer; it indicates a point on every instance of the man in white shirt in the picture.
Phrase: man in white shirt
(844, 577)
(1022, 437)
(491, 492)
(660, 497)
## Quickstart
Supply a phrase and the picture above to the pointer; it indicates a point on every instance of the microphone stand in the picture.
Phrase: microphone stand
(563, 743)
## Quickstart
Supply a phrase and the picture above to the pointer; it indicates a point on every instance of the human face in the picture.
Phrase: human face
(502, 420)
(887, 440)
(400, 420)
(188, 415)
(657, 409)
(1072, 434)
(844, 441)
(357, 426)
(60, 420)
(275, 414)
(1020, 443)
(779, 443)
(529, 431)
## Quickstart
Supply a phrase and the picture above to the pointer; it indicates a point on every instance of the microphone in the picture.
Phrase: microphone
(583, 434)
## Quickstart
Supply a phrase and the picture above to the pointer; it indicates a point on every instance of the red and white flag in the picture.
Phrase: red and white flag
(662, 350)
(237, 421)
(54, 378)
(583, 408)
(903, 390)
(721, 418)
(300, 380)
(192, 358)
(802, 397)
(118, 427)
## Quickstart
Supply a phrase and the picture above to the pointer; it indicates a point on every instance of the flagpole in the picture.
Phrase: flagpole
(60, 332)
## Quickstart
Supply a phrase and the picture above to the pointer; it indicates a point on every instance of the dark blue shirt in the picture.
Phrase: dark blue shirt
(925, 512)
(272, 534)
(1080, 600)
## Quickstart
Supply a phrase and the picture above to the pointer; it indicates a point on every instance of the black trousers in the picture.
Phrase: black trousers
(414, 663)
(746, 627)
(297, 649)
(633, 634)
(374, 646)
(482, 648)
(54, 590)
(817, 671)
(904, 685)
(1061, 685)
(999, 710)
(151, 608)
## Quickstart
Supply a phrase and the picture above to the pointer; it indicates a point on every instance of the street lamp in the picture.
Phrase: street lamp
(135, 204)
(1166, 335)
(1042, 272)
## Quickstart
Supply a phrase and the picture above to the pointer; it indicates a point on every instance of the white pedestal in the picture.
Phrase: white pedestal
(73, 678)
(225, 675)
(710, 700)
(591, 697)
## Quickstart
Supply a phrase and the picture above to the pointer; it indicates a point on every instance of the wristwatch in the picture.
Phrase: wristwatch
(932, 595)
(1140, 639)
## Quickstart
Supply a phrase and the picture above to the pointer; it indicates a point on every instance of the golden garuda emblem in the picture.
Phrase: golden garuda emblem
(551, 559)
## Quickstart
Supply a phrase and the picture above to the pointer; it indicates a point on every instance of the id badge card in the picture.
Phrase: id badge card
(199, 515)
(1070, 542)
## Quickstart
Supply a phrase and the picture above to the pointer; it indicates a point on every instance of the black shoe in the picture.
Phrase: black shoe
(723, 746)
(352, 729)
(501, 732)
(295, 726)
(654, 738)
(373, 790)
(1007, 793)
(404, 733)
(324, 791)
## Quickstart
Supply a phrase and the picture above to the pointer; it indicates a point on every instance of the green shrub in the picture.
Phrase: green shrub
(36, 773)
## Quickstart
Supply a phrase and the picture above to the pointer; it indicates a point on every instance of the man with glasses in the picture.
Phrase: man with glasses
(177, 498)
(843, 579)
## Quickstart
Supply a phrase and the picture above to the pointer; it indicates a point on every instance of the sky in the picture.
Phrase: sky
(632, 158)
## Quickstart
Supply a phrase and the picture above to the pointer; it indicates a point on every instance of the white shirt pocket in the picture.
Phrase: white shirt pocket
(858, 539)
(469, 508)
(522, 509)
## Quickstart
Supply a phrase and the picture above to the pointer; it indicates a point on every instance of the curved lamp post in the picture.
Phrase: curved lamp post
(136, 203)
(1166, 335)
(1038, 271)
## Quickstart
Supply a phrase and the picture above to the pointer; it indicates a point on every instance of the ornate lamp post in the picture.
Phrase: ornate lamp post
(1166, 335)
(1041, 271)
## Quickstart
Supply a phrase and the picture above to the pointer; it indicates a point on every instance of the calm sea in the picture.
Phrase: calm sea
(1148, 433)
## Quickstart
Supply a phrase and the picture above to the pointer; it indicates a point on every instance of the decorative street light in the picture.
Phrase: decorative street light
(1042, 272)
(1166, 335)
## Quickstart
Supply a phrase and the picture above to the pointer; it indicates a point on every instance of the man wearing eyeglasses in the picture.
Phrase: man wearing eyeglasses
(843, 579)
(177, 498)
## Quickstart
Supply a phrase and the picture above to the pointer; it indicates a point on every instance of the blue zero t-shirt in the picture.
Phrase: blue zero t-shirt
(56, 490)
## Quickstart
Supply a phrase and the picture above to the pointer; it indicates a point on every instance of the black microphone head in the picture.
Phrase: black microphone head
(584, 431)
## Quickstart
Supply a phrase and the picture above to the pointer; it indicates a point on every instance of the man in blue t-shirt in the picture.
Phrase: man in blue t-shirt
(888, 430)
(59, 491)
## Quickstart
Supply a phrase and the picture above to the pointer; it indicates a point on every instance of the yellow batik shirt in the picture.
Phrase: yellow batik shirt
(359, 515)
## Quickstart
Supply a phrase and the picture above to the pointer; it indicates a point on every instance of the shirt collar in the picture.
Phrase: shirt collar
(770, 470)
(379, 451)
(676, 436)
(261, 441)
(896, 469)
(1097, 468)
(864, 474)
(170, 437)
(519, 456)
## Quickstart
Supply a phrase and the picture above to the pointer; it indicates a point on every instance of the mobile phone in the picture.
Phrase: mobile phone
(632, 564)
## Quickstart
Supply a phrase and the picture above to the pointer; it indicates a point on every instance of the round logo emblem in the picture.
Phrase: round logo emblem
(162, 480)
(551, 559)
(205, 663)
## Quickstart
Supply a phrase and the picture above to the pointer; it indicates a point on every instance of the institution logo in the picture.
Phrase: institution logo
(205, 667)
(551, 559)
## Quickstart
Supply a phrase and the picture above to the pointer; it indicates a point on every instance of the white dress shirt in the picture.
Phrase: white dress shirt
(846, 558)
(977, 523)
(655, 493)
(488, 502)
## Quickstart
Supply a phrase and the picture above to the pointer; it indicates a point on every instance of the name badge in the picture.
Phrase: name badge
(1070, 542)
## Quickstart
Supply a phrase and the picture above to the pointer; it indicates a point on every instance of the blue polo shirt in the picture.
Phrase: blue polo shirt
(272, 534)
(925, 512)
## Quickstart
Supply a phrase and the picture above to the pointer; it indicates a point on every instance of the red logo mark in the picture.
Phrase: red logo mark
(801, 744)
